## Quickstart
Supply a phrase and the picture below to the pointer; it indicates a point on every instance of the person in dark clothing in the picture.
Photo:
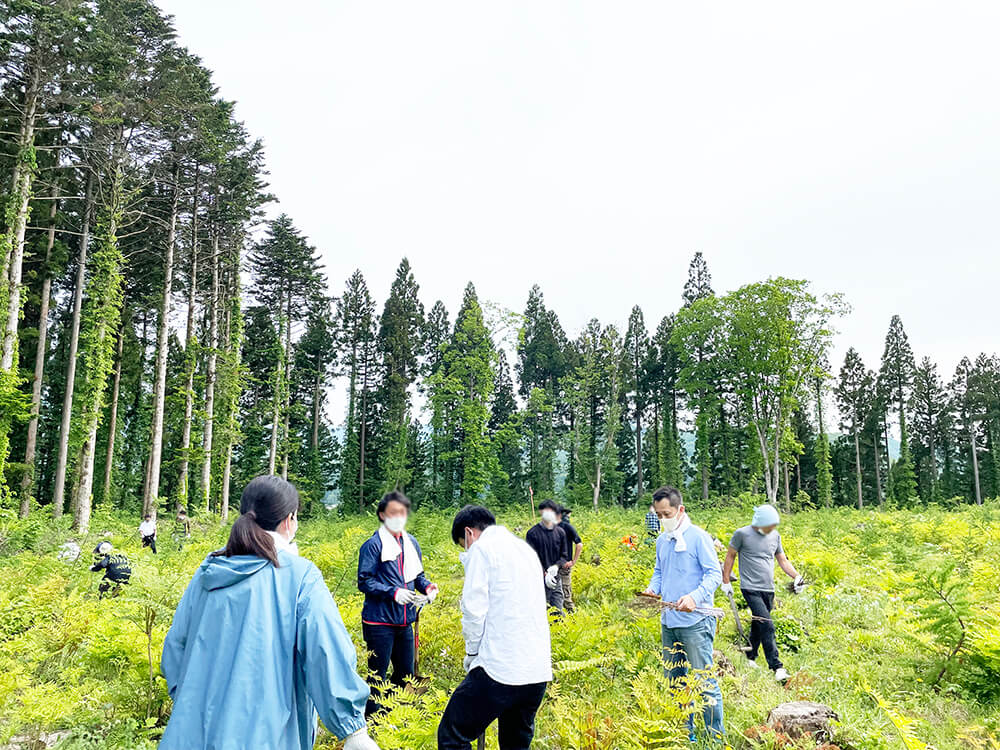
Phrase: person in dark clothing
(391, 576)
(549, 542)
(574, 547)
(182, 527)
(116, 566)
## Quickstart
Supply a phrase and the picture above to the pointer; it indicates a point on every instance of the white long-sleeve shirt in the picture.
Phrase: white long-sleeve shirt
(504, 617)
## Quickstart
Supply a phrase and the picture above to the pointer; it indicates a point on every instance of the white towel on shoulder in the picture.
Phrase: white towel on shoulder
(412, 567)
(678, 534)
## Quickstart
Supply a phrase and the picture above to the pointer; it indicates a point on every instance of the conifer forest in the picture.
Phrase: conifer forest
(168, 334)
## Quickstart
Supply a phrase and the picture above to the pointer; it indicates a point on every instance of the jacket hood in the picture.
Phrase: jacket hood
(220, 572)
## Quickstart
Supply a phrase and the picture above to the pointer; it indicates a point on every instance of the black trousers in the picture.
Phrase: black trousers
(479, 701)
(149, 541)
(762, 626)
(389, 644)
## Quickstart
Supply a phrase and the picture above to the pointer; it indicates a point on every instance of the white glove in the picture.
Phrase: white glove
(432, 592)
(467, 663)
(727, 588)
(798, 585)
(404, 596)
(552, 577)
(360, 741)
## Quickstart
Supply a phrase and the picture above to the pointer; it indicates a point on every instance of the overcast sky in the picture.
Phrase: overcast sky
(593, 147)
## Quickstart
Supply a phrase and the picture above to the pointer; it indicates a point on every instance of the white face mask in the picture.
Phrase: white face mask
(671, 524)
(395, 524)
(549, 516)
(463, 557)
(762, 532)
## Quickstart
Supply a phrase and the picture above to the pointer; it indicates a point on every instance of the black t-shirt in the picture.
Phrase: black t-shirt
(572, 538)
(116, 567)
(549, 544)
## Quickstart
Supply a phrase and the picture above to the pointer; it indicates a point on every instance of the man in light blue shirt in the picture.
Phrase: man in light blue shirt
(687, 573)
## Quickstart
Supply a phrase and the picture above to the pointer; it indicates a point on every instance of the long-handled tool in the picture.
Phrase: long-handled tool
(739, 623)
(658, 602)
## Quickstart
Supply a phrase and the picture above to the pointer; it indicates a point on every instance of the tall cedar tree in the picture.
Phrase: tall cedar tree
(400, 345)
(897, 374)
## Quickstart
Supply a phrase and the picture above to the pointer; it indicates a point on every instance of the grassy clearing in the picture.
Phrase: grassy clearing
(869, 629)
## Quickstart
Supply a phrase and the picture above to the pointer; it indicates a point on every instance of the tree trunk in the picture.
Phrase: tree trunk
(213, 342)
(316, 410)
(85, 485)
(878, 469)
(597, 485)
(227, 470)
(151, 491)
(788, 491)
(59, 490)
(273, 454)
(113, 419)
(286, 395)
(933, 452)
(28, 481)
(106, 319)
(975, 462)
(24, 169)
(857, 466)
(189, 354)
(361, 451)
(638, 450)
(704, 471)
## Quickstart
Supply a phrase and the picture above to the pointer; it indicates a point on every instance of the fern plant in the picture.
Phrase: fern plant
(944, 612)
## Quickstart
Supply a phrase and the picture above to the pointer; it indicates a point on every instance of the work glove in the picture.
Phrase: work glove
(432, 592)
(360, 741)
(552, 577)
(467, 662)
(419, 600)
(798, 585)
(727, 588)
(404, 596)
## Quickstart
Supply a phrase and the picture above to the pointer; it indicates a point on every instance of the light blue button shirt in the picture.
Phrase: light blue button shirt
(695, 571)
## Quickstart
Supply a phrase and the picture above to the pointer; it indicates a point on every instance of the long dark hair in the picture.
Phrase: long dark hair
(266, 501)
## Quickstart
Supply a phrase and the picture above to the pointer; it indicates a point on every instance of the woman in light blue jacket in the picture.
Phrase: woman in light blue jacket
(257, 645)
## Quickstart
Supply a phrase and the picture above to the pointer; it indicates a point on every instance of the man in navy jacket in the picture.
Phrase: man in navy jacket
(391, 576)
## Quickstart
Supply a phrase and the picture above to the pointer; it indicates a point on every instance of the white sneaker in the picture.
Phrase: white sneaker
(753, 663)
(781, 675)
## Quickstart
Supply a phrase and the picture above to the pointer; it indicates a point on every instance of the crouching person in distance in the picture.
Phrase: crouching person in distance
(687, 573)
(757, 546)
(506, 631)
(391, 576)
(257, 645)
(116, 566)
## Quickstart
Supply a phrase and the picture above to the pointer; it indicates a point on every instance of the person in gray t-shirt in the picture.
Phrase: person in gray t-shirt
(758, 546)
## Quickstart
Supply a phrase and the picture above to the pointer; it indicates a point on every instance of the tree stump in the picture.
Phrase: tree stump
(799, 717)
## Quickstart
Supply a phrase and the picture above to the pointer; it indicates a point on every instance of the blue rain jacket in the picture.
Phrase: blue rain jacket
(253, 653)
(378, 581)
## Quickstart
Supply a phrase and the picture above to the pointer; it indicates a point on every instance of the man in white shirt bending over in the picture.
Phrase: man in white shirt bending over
(506, 631)
(147, 530)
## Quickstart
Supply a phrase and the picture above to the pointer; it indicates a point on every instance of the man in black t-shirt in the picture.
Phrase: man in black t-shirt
(549, 542)
(574, 546)
(116, 566)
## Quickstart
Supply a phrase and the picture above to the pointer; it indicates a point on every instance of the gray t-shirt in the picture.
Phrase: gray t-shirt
(756, 556)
